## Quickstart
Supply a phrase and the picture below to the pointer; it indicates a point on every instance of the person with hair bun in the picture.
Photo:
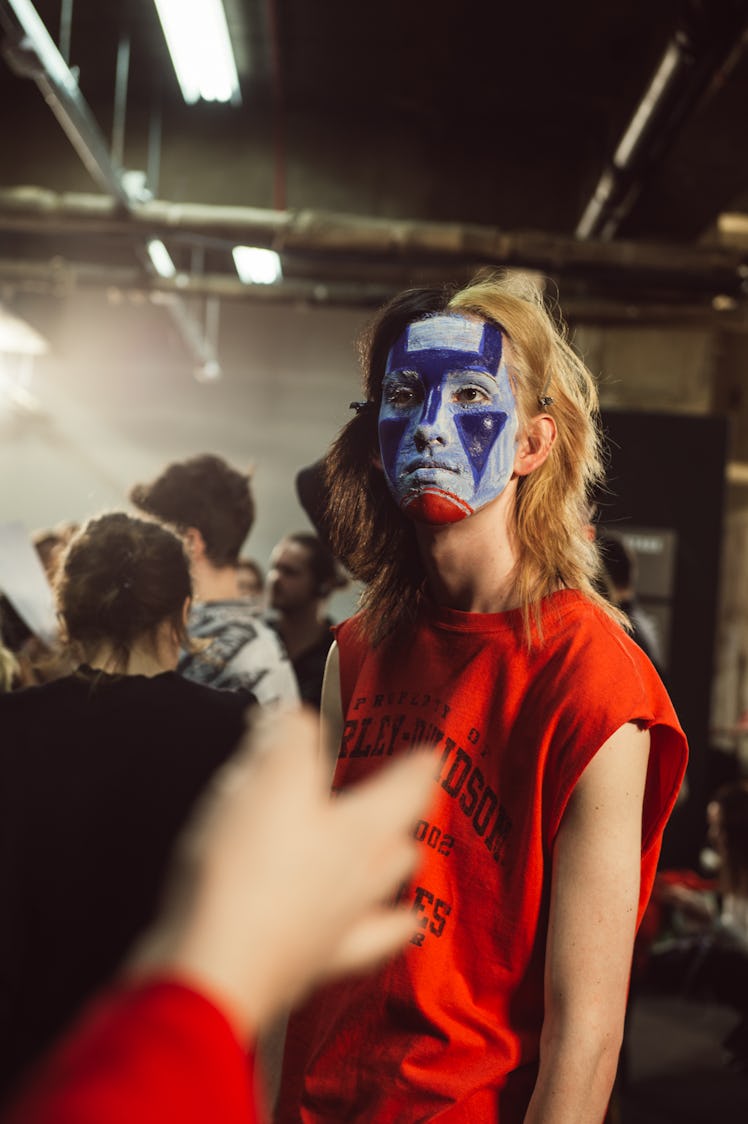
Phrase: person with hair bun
(458, 494)
(98, 771)
(302, 575)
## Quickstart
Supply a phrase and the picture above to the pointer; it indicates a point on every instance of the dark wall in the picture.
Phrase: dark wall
(668, 472)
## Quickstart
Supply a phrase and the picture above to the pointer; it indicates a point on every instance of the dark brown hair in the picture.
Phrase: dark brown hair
(120, 579)
(367, 531)
(206, 493)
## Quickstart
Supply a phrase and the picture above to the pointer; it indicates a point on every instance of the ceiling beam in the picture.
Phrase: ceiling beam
(704, 47)
(59, 278)
(355, 241)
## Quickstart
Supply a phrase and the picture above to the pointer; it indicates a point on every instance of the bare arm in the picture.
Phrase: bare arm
(594, 898)
(332, 707)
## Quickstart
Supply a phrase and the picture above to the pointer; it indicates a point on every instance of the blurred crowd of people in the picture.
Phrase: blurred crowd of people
(267, 635)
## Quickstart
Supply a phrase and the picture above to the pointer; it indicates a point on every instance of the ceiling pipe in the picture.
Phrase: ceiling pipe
(31, 53)
(358, 244)
(706, 44)
(59, 279)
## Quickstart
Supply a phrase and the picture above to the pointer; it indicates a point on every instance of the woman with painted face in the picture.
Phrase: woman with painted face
(458, 494)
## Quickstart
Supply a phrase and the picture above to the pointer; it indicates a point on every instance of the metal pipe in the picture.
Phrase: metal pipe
(364, 245)
(120, 100)
(153, 173)
(66, 25)
(33, 53)
(59, 278)
(708, 40)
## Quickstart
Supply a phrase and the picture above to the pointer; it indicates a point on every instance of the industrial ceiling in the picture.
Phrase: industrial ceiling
(383, 144)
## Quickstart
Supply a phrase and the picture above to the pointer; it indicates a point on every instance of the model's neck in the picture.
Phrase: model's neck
(471, 565)
(141, 661)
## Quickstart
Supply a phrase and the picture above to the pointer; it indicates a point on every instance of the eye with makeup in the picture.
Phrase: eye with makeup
(471, 388)
(471, 396)
(403, 392)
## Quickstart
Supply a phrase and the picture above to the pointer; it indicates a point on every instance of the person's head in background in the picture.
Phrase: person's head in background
(50, 544)
(38, 660)
(250, 580)
(210, 504)
(9, 669)
(123, 591)
(301, 577)
(727, 820)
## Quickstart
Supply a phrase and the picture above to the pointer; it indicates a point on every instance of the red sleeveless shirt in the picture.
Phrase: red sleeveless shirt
(450, 1029)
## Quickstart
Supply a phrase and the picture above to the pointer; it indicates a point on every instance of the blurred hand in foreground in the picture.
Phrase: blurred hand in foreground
(277, 885)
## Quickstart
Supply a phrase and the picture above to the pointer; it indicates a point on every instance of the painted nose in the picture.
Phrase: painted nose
(429, 430)
(425, 438)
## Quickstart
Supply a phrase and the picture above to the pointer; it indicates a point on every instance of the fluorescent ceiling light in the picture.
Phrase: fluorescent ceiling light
(647, 105)
(160, 258)
(256, 266)
(197, 36)
(19, 338)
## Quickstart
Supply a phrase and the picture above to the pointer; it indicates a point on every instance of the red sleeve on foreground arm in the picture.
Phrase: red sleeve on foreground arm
(145, 1053)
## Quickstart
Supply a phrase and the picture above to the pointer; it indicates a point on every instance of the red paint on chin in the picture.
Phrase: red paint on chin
(436, 507)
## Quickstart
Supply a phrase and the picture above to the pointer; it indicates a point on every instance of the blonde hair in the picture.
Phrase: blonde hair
(553, 501)
(376, 541)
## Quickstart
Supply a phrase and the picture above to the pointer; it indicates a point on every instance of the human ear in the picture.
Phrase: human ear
(194, 543)
(534, 445)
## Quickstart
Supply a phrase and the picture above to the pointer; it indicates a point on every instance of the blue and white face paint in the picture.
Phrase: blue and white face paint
(448, 420)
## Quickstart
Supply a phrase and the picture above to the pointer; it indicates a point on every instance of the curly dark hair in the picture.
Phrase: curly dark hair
(206, 493)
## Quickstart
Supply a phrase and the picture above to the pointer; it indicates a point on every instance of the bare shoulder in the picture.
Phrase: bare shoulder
(622, 759)
(610, 791)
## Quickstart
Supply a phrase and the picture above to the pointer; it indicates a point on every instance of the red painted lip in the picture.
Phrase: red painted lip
(436, 505)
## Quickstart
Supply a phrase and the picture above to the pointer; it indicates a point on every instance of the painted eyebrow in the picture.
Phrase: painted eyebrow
(472, 371)
(408, 373)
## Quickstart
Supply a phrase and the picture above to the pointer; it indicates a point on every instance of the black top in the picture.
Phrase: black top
(309, 665)
(97, 775)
